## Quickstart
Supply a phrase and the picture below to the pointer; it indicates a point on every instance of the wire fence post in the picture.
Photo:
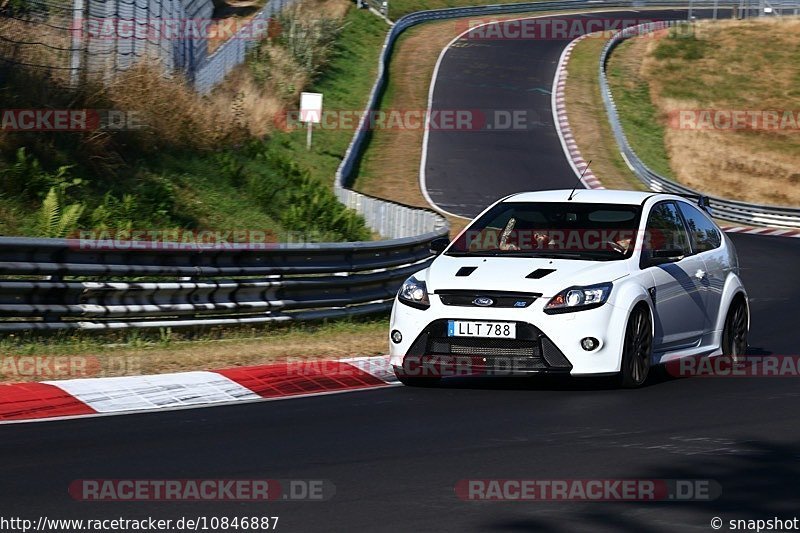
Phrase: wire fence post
(77, 59)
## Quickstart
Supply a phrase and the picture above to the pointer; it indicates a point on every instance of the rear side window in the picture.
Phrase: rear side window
(665, 229)
(703, 234)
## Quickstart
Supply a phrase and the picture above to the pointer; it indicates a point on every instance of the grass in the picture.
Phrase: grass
(638, 115)
(588, 121)
(164, 351)
(398, 8)
(390, 165)
(345, 84)
(724, 66)
(214, 162)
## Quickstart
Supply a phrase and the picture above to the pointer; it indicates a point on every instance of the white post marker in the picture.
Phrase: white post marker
(310, 112)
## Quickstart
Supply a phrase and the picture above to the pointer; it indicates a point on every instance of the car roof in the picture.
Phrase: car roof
(585, 196)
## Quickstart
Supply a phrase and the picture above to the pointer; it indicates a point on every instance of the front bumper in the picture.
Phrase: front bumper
(433, 353)
(545, 343)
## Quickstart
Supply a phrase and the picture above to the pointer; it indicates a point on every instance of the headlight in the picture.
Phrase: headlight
(414, 293)
(578, 299)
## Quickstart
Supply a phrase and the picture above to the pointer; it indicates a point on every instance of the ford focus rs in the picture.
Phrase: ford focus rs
(593, 282)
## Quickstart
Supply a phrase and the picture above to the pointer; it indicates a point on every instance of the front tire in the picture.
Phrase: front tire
(637, 349)
(734, 334)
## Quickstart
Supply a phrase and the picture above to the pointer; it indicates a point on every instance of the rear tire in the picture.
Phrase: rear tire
(734, 334)
(637, 349)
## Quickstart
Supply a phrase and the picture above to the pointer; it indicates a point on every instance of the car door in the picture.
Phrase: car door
(706, 241)
(677, 289)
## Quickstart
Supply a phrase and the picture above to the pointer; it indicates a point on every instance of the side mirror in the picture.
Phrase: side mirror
(666, 255)
(705, 204)
(439, 245)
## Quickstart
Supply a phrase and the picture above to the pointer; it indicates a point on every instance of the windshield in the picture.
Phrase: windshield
(569, 230)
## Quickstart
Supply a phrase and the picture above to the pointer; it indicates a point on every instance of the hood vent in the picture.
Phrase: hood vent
(465, 271)
(539, 273)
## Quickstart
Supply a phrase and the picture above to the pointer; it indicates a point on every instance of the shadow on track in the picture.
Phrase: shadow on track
(758, 481)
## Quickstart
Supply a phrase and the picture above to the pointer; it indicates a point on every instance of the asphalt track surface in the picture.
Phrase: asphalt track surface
(467, 169)
(395, 454)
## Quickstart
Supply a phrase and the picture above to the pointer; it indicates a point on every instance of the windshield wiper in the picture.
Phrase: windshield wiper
(546, 255)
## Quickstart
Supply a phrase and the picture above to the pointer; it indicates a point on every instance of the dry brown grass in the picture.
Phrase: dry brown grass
(18, 45)
(243, 105)
(400, 149)
(220, 30)
(747, 65)
(256, 101)
(107, 361)
(174, 113)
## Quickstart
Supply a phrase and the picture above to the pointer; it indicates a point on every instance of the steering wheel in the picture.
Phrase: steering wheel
(617, 247)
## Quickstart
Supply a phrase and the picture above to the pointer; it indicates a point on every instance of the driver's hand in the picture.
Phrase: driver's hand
(624, 243)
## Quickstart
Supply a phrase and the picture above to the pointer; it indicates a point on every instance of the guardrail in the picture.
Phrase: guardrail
(732, 210)
(56, 284)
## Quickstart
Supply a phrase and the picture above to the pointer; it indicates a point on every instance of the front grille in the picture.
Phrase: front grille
(531, 351)
(466, 298)
(481, 350)
(492, 347)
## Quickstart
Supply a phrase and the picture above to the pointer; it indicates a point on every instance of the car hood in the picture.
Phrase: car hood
(511, 274)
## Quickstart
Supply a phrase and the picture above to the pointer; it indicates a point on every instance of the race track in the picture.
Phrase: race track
(396, 454)
(467, 169)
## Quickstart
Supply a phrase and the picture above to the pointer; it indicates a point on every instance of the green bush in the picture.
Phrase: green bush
(25, 178)
(57, 220)
(290, 194)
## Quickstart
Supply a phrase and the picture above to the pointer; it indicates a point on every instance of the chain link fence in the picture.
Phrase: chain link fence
(39, 35)
(73, 39)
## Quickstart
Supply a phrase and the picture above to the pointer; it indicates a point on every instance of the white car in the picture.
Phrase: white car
(587, 282)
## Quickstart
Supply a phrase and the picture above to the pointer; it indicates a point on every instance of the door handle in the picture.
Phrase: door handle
(700, 274)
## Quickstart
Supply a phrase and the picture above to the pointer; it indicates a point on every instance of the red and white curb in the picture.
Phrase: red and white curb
(568, 142)
(134, 394)
(771, 232)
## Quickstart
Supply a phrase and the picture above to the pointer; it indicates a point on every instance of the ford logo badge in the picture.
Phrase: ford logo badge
(483, 301)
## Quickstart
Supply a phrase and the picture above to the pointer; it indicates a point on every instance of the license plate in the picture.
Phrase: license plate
(471, 328)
